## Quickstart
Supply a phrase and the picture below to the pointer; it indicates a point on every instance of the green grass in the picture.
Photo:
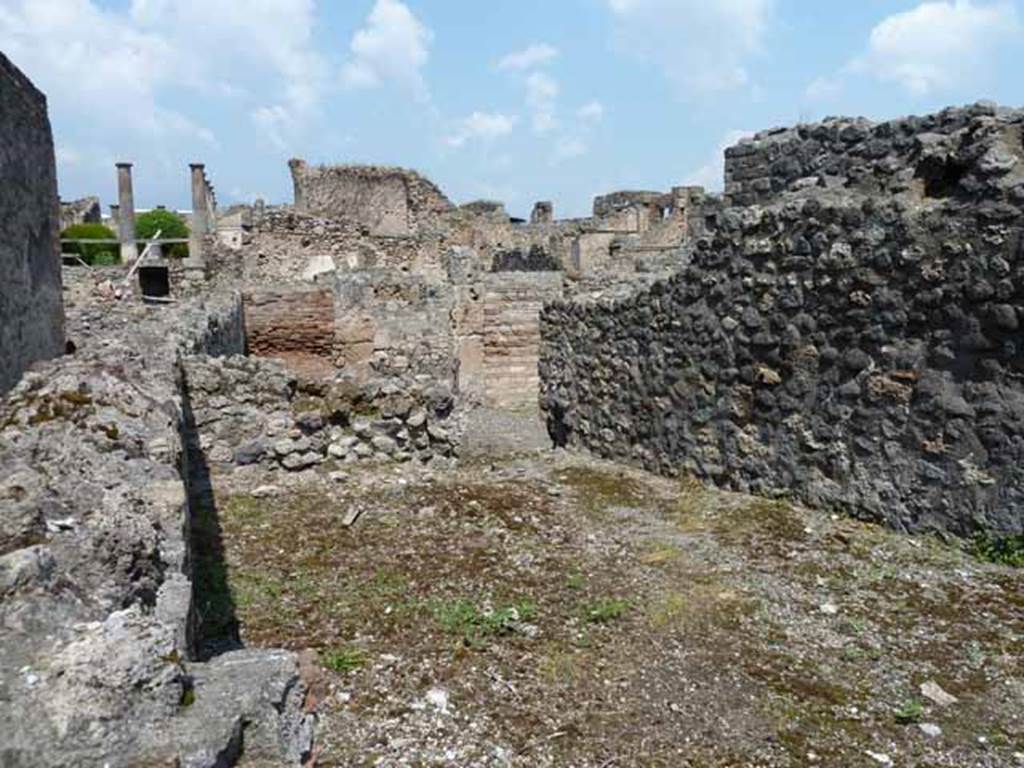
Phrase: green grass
(475, 625)
(344, 660)
(911, 712)
(1004, 550)
(605, 610)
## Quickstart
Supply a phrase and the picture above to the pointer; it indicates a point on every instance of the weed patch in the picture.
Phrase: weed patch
(1005, 550)
(605, 610)
(477, 625)
(344, 660)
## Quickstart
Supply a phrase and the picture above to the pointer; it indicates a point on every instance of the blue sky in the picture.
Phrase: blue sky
(517, 101)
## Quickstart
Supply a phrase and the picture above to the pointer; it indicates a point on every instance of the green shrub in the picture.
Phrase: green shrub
(168, 224)
(95, 254)
(1005, 550)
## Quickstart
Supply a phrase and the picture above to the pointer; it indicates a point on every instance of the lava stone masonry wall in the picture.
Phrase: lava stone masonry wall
(929, 156)
(860, 352)
(31, 309)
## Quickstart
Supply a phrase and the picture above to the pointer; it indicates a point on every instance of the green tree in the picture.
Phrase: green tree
(169, 225)
(95, 254)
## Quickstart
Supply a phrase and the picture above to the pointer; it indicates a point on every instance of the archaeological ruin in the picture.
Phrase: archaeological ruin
(374, 461)
(31, 317)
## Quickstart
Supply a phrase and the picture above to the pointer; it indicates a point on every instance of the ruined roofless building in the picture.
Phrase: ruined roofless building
(330, 435)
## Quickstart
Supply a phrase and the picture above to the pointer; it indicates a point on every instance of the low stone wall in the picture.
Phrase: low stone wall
(253, 411)
(97, 656)
(860, 352)
(31, 312)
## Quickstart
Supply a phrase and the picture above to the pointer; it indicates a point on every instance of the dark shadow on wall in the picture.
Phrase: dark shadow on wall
(214, 622)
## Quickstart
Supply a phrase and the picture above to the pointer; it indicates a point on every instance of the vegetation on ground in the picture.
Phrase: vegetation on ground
(1002, 550)
(93, 254)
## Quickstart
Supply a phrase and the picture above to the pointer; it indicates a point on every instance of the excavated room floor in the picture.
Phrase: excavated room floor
(555, 610)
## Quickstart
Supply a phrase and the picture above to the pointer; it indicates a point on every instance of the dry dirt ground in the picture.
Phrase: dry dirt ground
(555, 610)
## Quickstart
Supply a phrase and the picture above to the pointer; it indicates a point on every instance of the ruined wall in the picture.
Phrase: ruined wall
(99, 647)
(859, 351)
(253, 411)
(84, 211)
(296, 326)
(390, 202)
(511, 304)
(31, 309)
(929, 156)
(395, 327)
(281, 244)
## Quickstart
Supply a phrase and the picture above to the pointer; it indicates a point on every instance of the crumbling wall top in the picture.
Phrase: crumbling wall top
(606, 205)
(954, 152)
(387, 201)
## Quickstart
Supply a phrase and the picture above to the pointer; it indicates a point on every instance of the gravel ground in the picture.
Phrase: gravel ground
(555, 610)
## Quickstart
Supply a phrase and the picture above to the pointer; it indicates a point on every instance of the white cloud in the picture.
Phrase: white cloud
(529, 57)
(568, 148)
(542, 100)
(483, 126)
(68, 156)
(938, 45)
(823, 88)
(701, 46)
(91, 62)
(113, 72)
(592, 111)
(711, 175)
(393, 46)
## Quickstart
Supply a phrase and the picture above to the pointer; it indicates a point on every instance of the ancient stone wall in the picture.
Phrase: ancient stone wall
(457, 301)
(31, 310)
(253, 411)
(282, 244)
(292, 325)
(928, 156)
(395, 326)
(511, 304)
(391, 202)
(860, 351)
(99, 655)
(84, 211)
